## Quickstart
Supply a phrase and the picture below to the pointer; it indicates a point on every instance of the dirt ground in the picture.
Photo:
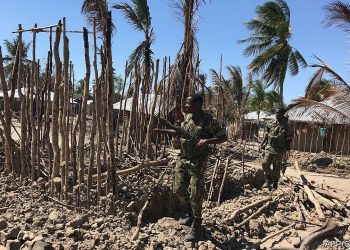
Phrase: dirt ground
(30, 218)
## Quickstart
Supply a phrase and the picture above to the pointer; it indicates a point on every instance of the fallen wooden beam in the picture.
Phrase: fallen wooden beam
(309, 193)
(256, 245)
(328, 194)
(137, 168)
(258, 212)
(247, 208)
(324, 201)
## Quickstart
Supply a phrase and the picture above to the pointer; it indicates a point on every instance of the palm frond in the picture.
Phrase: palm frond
(330, 71)
(338, 14)
(130, 15)
(260, 63)
(215, 77)
(293, 64)
(284, 7)
(257, 48)
(136, 56)
(142, 11)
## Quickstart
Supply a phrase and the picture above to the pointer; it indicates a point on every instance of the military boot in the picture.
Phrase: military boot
(196, 230)
(186, 220)
(275, 184)
(268, 181)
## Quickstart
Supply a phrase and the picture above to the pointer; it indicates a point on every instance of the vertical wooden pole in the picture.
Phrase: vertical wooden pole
(151, 121)
(82, 129)
(55, 106)
(34, 133)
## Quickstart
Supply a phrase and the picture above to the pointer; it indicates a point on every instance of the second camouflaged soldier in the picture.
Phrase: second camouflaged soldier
(191, 164)
(276, 143)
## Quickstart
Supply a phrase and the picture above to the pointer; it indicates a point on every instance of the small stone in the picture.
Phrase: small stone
(53, 216)
(188, 245)
(211, 246)
(130, 205)
(20, 235)
(40, 245)
(202, 247)
(8, 216)
(51, 229)
(28, 236)
(13, 233)
(296, 241)
(143, 237)
(59, 226)
(299, 226)
(3, 224)
(3, 237)
(13, 245)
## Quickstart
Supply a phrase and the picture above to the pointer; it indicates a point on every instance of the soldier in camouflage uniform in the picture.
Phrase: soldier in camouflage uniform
(191, 164)
(276, 143)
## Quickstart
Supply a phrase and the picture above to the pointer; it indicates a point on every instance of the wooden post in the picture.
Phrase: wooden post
(151, 121)
(342, 145)
(82, 129)
(312, 138)
(55, 107)
(34, 163)
(330, 144)
(65, 118)
(223, 180)
(339, 132)
(318, 135)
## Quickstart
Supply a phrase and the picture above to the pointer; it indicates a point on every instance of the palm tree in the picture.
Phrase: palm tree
(96, 11)
(262, 100)
(9, 59)
(269, 42)
(257, 97)
(338, 14)
(139, 17)
(271, 102)
(235, 94)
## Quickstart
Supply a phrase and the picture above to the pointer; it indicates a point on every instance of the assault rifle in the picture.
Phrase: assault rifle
(184, 134)
(181, 132)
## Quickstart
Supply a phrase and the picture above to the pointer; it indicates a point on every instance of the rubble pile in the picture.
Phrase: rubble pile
(29, 219)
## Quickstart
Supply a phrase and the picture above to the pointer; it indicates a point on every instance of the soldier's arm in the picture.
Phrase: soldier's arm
(218, 135)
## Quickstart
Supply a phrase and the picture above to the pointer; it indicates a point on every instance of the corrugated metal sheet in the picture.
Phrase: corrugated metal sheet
(254, 116)
(128, 105)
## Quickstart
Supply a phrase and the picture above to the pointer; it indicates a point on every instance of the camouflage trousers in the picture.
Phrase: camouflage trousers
(276, 161)
(190, 173)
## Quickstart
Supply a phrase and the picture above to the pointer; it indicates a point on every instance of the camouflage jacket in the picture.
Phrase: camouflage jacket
(205, 128)
(279, 137)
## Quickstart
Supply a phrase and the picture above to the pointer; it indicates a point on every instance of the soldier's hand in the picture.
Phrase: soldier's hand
(201, 144)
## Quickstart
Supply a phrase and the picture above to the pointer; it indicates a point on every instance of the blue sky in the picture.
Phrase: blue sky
(220, 27)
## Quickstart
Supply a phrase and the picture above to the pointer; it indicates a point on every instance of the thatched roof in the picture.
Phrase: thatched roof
(333, 109)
